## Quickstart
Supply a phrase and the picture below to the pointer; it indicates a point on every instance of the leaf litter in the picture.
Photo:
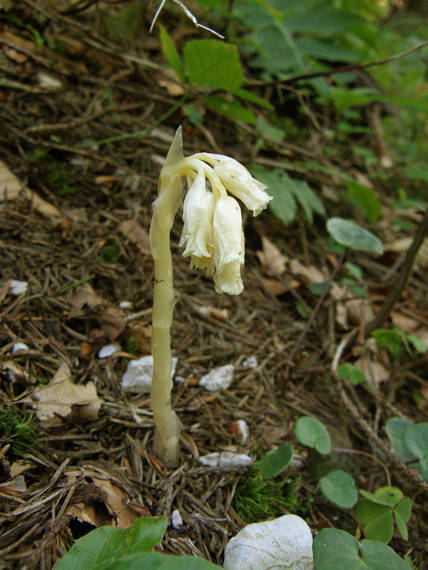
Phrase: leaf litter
(98, 468)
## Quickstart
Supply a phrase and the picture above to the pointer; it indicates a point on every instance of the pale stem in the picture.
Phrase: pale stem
(167, 424)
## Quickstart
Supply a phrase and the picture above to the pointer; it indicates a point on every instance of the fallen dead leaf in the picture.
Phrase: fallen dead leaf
(271, 257)
(84, 296)
(402, 245)
(102, 500)
(168, 79)
(406, 324)
(12, 188)
(56, 402)
(112, 322)
(136, 234)
(209, 311)
(374, 371)
(273, 287)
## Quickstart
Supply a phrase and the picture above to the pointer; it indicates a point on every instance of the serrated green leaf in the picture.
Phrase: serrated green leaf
(351, 235)
(313, 433)
(307, 199)
(230, 109)
(104, 545)
(339, 488)
(213, 63)
(276, 461)
(171, 54)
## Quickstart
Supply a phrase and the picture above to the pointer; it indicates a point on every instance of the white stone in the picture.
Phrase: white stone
(125, 305)
(139, 374)
(176, 520)
(108, 350)
(17, 287)
(19, 346)
(218, 379)
(285, 542)
(46, 81)
(250, 362)
(225, 460)
(243, 430)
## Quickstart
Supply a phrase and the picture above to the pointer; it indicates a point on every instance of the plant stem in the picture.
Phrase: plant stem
(167, 424)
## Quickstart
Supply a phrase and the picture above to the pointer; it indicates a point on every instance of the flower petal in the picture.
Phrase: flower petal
(198, 210)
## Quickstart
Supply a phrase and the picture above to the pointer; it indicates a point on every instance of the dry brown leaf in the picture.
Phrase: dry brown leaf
(310, 272)
(402, 245)
(271, 257)
(374, 371)
(273, 287)
(12, 188)
(84, 296)
(136, 234)
(407, 324)
(112, 322)
(102, 501)
(169, 79)
(57, 401)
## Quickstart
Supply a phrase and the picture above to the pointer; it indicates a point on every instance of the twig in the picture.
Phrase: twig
(403, 276)
(311, 320)
(344, 68)
(188, 14)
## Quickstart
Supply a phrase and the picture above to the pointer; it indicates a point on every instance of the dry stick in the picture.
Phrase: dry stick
(310, 321)
(344, 68)
(399, 285)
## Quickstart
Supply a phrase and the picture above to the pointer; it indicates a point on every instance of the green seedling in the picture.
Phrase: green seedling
(339, 488)
(394, 339)
(335, 548)
(312, 433)
(376, 512)
(348, 371)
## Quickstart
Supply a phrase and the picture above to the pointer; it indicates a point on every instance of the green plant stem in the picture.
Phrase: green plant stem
(167, 424)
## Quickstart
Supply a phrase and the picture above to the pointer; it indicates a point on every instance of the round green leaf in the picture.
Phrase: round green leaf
(339, 488)
(376, 520)
(106, 544)
(353, 236)
(311, 432)
(276, 461)
(337, 549)
(395, 428)
(388, 496)
(416, 439)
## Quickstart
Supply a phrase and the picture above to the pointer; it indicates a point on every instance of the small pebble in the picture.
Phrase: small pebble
(17, 287)
(108, 350)
(139, 374)
(176, 520)
(225, 460)
(125, 305)
(250, 362)
(218, 379)
(19, 346)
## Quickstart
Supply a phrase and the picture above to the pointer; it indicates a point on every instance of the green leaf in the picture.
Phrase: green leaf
(283, 204)
(214, 63)
(364, 199)
(402, 514)
(307, 199)
(395, 428)
(348, 371)
(418, 344)
(416, 439)
(104, 545)
(337, 549)
(389, 338)
(376, 520)
(378, 556)
(171, 54)
(269, 131)
(157, 561)
(312, 433)
(351, 235)
(249, 96)
(230, 109)
(276, 461)
(387, 496)
(339, 488)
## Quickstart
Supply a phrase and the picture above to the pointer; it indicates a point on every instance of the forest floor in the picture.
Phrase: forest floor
(74, 222)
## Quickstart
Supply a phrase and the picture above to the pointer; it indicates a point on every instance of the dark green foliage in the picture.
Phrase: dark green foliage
(17, 430)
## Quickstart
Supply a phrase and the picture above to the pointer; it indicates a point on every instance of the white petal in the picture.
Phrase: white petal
(228, 279)
(239, 182)
(228, 236)
(197, 215)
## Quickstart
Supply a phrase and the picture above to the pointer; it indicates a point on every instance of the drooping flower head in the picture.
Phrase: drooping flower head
(212, 235)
